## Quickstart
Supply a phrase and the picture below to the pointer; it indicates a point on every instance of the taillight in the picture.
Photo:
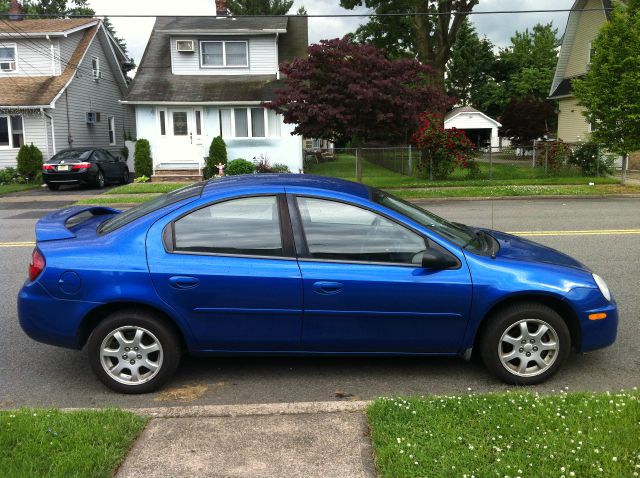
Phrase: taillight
(77, 166)
(48, 167)
(37, 264)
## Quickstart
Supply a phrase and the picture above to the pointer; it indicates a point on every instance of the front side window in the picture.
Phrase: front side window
(217, 54)
(338, 231)
(8, 55)
(11, 131)
(246, 226)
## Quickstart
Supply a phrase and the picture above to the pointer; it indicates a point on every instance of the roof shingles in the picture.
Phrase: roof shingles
(51, 25)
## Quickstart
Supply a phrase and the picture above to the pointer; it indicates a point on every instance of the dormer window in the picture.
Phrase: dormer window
(8, 55)
(224, 54)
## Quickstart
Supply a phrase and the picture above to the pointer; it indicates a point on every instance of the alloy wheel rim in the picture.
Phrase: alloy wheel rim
(528, 348)
(131, 355)
(100, 179)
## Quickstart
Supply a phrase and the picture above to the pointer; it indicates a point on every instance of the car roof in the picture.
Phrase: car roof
(308, 181)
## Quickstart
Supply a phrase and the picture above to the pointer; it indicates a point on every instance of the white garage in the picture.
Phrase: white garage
(480, 129)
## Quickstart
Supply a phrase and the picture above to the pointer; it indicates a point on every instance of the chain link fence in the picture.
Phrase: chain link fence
(405, 165)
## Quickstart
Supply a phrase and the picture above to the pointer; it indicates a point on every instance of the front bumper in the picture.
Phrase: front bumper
(594, 334)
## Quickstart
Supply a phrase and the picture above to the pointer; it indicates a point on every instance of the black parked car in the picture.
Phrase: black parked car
(87, 166)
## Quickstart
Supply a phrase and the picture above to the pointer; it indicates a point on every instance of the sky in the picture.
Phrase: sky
(498, 28)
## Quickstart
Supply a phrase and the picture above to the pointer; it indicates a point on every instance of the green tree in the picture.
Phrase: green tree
(610, 91)
(142, 161)
(52, 7)
(29, 161)
(428, 38)
(217, 155)
(471, 65)
(260, 7)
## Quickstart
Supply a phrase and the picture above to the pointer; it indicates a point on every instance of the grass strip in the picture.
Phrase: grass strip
(145, 188)
(513, 434)
(14, 188)
(516, 190)
(118, 199)
(55, 443)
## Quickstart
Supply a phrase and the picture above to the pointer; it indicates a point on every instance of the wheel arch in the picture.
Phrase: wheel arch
(95, 316)
(564, 310)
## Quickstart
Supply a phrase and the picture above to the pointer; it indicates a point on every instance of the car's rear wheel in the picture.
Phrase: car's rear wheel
(133, 351)
(525, 344)
(125, 176)
(53, 187)
(100, 180)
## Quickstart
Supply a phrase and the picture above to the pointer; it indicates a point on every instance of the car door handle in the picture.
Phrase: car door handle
(182, 282)
(326, 288)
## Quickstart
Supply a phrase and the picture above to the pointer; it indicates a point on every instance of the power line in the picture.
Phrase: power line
(333, 15)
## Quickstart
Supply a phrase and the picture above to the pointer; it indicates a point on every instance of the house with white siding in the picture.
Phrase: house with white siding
(60, 85)
(210, 76)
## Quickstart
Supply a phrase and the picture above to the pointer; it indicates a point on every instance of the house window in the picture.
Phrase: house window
(163, 124)
(592, 53)
(11, 131)
(95, 65)
(249, 123)
(112, 130)
(198, 122)
(180, 124)
(231, 54)
(8, 55)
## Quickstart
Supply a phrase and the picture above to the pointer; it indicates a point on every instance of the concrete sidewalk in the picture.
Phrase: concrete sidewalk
(275, 440)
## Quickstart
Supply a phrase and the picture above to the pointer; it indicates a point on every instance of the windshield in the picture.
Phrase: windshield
(456, 234)
(143, 209)
(72, 154)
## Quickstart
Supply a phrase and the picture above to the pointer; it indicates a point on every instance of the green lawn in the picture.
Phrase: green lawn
(118, 199)
(14, 188)
(503, 174)
(75, 444)
(145, 188)
(513, 434)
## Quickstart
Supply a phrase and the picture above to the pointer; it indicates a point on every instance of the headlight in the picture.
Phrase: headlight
(602, 285)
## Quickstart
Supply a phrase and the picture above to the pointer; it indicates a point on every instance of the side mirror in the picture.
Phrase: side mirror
(434, 259)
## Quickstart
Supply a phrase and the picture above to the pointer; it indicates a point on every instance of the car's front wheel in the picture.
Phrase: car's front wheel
(525, 344)
(133, 351)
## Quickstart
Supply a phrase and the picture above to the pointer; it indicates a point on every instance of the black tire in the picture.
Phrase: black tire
(53, 187)
(100, 180)
(129, 321)
(125, 176)
(507, 321)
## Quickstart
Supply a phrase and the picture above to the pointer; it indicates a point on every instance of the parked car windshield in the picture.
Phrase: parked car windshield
(456, 234)
(143, 209)
(72, 154)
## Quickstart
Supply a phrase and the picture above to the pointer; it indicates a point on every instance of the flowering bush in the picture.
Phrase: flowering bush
(443, 149)
(591, 159)
(558, 156)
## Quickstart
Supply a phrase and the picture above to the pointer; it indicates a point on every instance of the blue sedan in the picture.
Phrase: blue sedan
(298, 264)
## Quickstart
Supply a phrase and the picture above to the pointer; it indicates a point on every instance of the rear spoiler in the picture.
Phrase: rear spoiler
(54, 226)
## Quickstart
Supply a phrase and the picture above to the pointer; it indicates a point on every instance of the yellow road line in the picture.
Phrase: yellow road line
(592, 232)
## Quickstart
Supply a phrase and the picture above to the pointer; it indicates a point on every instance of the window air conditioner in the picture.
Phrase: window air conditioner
(185, 46)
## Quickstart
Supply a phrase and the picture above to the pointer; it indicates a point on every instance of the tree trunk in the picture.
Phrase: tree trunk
(625, 163)
(359, 164)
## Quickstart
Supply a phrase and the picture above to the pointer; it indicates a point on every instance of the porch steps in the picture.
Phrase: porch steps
(176, 175)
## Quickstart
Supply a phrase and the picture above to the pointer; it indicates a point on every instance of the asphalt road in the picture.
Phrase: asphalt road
(33, 374)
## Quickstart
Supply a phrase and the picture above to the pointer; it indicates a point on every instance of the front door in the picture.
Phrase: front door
(230, 275)
(182, 139)
(364, 287)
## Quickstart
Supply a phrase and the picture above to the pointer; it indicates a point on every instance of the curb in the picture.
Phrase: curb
(195, 411)
(539, 197)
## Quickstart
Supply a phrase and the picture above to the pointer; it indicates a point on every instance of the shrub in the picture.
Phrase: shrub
(591, 160)
(29, 161)
(141, 179)
(558, 156)
(263, 166)
(280, 168)
(217, 155)
(239, 166)
(442, 150)
(10, 176)
(142, 161)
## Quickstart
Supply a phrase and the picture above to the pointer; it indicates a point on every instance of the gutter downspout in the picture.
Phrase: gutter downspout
(53, 56)
(53, 133)
(277, 56)
(46, 132)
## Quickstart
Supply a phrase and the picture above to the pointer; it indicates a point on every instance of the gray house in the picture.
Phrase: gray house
(60, 85)
(205, 77)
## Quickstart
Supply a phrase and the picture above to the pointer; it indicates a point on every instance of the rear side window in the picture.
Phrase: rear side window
(245, 226)
(143, 209)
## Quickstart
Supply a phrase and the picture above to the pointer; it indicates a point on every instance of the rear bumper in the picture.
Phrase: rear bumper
(49, 320)
(86, 176)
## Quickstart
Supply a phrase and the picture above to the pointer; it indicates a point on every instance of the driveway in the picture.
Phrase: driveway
(33, 374)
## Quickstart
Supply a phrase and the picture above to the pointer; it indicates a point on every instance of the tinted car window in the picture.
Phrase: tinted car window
(155, 204)
(72, 154)
(339, 231)
(245, 226)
